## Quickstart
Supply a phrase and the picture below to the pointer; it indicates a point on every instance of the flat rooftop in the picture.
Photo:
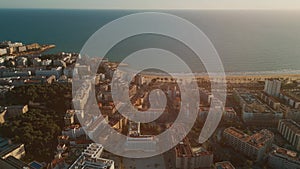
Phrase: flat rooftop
(6, 146)
(257, 140)
(86, 163)
(224, 165)
(13, 163)
(294, 95)
(184, 149)
(90, 159)
(235, 132)
(248, 98)
(286, 153)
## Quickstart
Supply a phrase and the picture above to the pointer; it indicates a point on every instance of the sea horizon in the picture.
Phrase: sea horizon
(254, 41)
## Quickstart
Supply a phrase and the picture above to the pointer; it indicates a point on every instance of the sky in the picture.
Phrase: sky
(152, 4)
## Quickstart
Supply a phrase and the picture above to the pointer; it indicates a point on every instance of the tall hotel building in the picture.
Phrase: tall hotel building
(272, 87)
(254, 146)
(290, 130)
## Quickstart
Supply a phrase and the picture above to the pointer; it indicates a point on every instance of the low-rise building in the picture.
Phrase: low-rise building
(2, 60)
(254, 146)
(57, 72)
(69, 117)
(138, 142)
(13, 163)
(46, 62)
(272, 101)
(255, 112)
(259, 114)
(224, 165)
(229, 113)
(16, 73)
(206, 96)
(36, 165)
(16, 110)
(9, 149)
(189, 158)
(82, 70)
(293, 114)
(22, 61)
(73, 131)
(6, 44)
(291, 98)
(2, 114)
(91, 159)
(59, 63)
(32, 47)
(68, 72)
(288, 103)
(22, 49)
(12, 50)
(281, 158)
(5, 89)
(118, 122)
(290, 130)
(82, 95)
(63, 139)
(3, 52)
(36, 62)
(33, 80)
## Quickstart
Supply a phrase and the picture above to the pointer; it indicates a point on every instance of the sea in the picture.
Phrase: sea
(252, 41)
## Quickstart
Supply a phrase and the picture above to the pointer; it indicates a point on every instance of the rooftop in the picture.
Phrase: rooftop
(235, 132)
(286, 153)
(90, 159)
(294, 95)
(36, 165)
(6, 146)
(224, 165)
(248, 98)
(13, 163)
(257, 140)
(184, 149)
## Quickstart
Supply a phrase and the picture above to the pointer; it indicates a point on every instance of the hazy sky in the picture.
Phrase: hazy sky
(152, 4)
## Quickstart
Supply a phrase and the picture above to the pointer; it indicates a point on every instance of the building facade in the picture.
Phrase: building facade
(290, 130)
(254, 146)
(187, 158)
(281, 158)
(91, 158)
(272, 87)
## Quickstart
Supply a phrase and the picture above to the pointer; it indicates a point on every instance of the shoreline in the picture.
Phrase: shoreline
(232, 78)
(261, 74)
(43, 48)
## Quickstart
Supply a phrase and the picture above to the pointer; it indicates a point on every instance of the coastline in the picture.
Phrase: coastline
(284, 74)
(229, 77)
(43, 48)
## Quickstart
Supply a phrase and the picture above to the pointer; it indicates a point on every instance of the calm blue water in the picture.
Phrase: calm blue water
(246, 40)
